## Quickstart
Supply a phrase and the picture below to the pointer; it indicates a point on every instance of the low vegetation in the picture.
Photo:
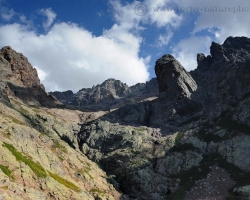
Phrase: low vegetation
(35, 167)
(178, 138)
(57, 145)
(64, 182)
(5, 170)
(96, 190)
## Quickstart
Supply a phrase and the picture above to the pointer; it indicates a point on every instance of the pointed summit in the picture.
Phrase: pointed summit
(173, 78)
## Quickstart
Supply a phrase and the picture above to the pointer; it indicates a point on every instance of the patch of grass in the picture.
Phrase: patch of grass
(6, 134)
(139, 129)
(61, 158)
(178, 138)
(64, 182)
(34, 107)
(14, 120)
(88, 164)
(4, 187)
(17, 121)
(6, 170)
(96, 190)
(59, 146)
(35, 167)
(86, 171)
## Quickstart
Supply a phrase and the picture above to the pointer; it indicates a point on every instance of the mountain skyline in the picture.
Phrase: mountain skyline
(88, 42)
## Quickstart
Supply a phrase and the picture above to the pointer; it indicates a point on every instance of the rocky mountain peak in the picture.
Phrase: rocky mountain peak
(20, 79)
(115, 87)
(173, 78)
(22, 73)
(237, 43)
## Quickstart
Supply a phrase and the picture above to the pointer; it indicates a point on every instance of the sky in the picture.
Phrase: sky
(80, 43)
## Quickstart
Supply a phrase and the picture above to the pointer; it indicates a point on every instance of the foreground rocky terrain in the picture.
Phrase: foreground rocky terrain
(39, 154)
(190, 140)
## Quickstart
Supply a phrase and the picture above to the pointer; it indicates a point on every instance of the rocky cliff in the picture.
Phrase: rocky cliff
(20, 79)
(189, 143)
(189, 140)
(39, 153)
(110, 94)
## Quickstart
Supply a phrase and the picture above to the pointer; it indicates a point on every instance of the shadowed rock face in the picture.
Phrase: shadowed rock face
(160, 149)
(173, 78)
(20, 79)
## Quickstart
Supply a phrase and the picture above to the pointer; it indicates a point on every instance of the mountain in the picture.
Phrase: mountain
(20, 79)
(182, 135)
(192, 141)
(108, 95)
(40, 157)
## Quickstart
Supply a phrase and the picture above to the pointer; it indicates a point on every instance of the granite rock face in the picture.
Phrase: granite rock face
(110, 94)
(20, 79)
(187, 140)
(199, 121)
(173, 78)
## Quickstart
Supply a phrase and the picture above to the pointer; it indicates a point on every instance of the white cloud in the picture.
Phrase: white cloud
(164, 39)
(225, 17)
(7, 14)
(42, 75)
(70, 57)
(73, 58)
(136, 13)
(186, 50)
(51, 16)
(219, 25)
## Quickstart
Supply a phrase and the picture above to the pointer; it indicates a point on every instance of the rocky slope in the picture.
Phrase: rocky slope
(39, 153)
(110, 94)
(191, 142)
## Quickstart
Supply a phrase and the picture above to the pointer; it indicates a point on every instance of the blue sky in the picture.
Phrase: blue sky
(81, 43)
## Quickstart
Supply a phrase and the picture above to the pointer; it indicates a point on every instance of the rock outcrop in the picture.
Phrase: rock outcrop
(20, 79)
(197, 128)
(108, 95)
(189, 140)
(173, 78)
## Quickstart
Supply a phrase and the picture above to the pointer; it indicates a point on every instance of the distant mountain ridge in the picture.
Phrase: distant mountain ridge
(110, 94)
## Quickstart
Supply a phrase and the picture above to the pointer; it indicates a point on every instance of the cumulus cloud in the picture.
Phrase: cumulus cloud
(186, 50)
(70, 57)
(136, 13)
(73, 58)
(50, 15)
(216, 19)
